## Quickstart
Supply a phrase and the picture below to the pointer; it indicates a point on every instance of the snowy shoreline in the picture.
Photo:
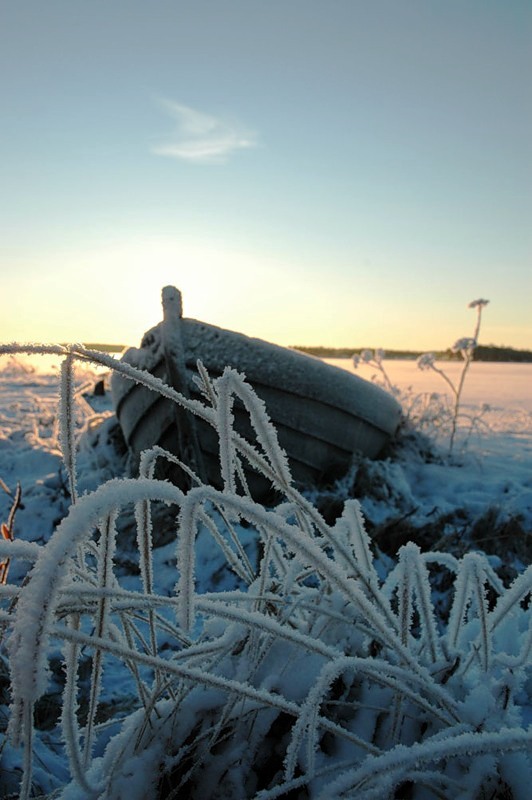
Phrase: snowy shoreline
(480, 500)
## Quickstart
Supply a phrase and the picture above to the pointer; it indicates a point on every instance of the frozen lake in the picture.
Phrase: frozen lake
(484, 487)
(501, 385)
(506, 385)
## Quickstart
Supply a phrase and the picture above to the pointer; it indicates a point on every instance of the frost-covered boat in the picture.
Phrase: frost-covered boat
(323, 414)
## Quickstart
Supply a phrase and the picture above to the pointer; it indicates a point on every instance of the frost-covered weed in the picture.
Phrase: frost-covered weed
(375, 359)
(313, 672)
(466, 346)
(434, 413)
(7, 528)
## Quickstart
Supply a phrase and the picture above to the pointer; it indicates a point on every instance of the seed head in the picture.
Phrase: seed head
(426, 361)
(464, 345)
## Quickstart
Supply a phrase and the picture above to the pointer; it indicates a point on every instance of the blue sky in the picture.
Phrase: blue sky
(326, 172)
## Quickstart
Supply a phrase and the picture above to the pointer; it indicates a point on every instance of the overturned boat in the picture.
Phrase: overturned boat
(323, 414)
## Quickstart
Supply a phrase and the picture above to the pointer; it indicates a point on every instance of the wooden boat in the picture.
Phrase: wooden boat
(323, 414)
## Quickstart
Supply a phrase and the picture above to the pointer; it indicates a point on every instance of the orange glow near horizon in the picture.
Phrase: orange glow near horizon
(113, 296)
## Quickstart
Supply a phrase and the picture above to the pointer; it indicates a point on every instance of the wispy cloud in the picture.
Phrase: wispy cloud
(202, 138)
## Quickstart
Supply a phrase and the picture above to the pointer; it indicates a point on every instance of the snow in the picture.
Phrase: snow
(489, 472)
(493, 468)
(505, 386)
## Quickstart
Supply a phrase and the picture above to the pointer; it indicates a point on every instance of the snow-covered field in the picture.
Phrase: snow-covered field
(477, 500)
(504, 386)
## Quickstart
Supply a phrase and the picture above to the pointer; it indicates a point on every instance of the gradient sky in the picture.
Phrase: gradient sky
(327, 172)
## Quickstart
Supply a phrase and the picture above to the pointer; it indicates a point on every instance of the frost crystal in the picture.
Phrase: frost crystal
(426, 361)
(368, 357)
(466, 344)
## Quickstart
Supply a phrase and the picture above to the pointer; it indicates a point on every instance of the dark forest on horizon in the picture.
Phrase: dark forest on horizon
(483, 352)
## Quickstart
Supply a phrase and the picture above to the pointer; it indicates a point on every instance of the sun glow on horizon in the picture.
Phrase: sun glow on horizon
(111, 293)
(362, 215)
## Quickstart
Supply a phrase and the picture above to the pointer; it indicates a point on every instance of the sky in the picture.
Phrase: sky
(312, 172)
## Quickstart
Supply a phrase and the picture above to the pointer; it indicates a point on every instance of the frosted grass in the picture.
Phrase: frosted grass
(354, 670)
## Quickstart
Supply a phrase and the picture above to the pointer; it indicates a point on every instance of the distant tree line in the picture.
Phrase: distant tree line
(483, 352)
(490, 352)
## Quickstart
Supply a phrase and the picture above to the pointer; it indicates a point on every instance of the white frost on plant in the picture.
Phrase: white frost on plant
(464, 345)
(426, 361)
(364, 357)
(309, 634)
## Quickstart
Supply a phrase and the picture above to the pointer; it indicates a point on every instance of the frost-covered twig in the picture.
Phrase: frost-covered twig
(316, 640)
(66, 422)
(384, 772)
(7, 529)
(466, 347)
(375, 358)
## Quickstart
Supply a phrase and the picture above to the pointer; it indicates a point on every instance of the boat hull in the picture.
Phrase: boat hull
(323, 415)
